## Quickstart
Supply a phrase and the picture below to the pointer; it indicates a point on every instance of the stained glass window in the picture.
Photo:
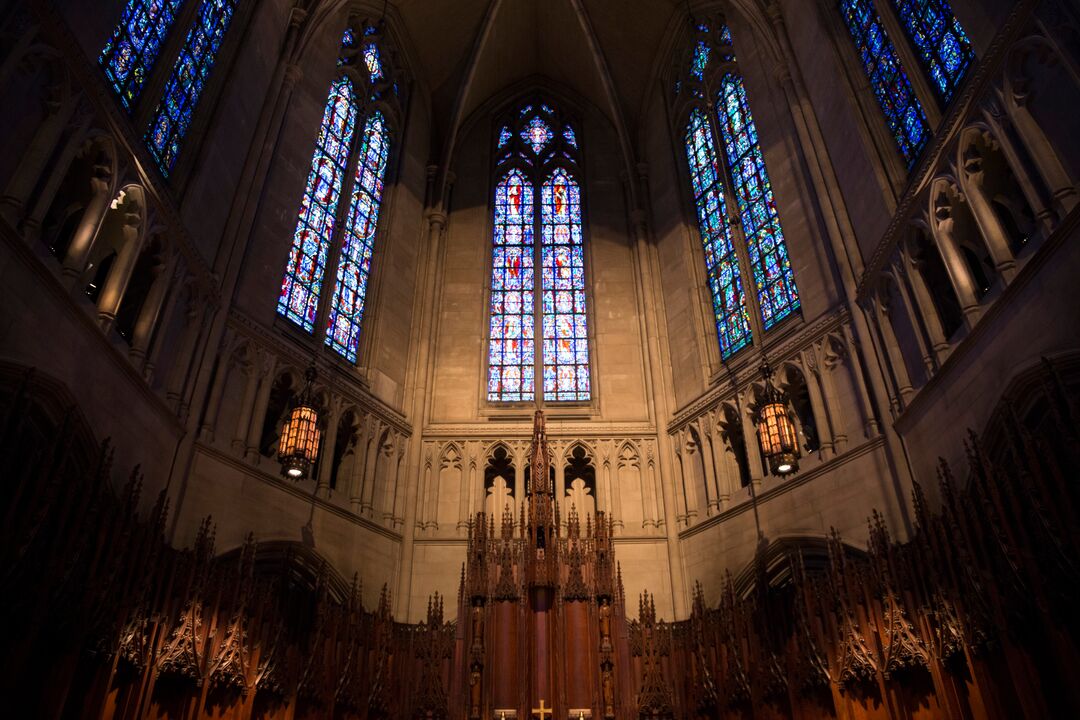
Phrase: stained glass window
(504, 137)
(354, 267)
(721, 264)
(537, 134)
(700, 60)
(941, 43)
(765, 245)
(173, 115)
(903, 112)
(511, 349)
(565, 331)
(373, 62)
(129, 55)
(300, 290)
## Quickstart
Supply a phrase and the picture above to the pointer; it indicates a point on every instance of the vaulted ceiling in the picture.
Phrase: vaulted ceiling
(468, 51)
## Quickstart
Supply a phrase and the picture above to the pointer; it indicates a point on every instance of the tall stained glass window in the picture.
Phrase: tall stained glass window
(940, 42)
(769, 264)
(354, 267)
(511, 347)
(721, 263)
(566, 338)
(903, 112)
(537, 158)
(129, 55)
(734, 172)
(302, 286)
(351, 156)
(172, 118)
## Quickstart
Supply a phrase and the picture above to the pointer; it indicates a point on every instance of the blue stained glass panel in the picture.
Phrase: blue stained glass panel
(182, 91)
(721, 265)
(511, 347)
(504, 137)
(301, 287)
(765, 244)
(565, 324)
(942, 45)
(354, 267)
(700, 60)
(569, 136)
(129, 55)
(373, 61)
(903, 112)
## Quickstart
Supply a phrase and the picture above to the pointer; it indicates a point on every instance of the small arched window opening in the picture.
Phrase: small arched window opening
(277, 408)
(928, 263)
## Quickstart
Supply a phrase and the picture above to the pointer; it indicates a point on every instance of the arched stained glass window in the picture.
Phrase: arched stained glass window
(769, 263)
(903, 112)
(331, 240)
(129, 55)
(300, 290)
(721, 264)
(511, 346)
(566, 338)
(940, 41)
(537, 152)
(354, 267)
(172, 118)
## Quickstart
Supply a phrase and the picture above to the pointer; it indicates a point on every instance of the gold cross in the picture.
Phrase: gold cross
(542, 711)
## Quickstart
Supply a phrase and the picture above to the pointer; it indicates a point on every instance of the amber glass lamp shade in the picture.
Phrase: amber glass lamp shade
(299, 445)
(776, 432)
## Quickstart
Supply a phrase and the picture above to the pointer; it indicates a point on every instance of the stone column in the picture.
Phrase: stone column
(468, 466)
(648, 500)
(992, 232)
(34, 160)
(753, 452)
(817, 404)
(399, 494)
(953, 259)
(681, 508)
(43, 199)
(374, 447)
(250, 367)
(712, 499)
(476, 485)
(931, 319)
(723, 485)
(356, 482)
(217, 391)
(151, 308)
(86, 232)
(390, 488)
(262, 401)
(898, 275)
(604, 502)
(872, 428)
(112, 294)
(892, 348)
(619, 525)
(178, 374)
(328, 447)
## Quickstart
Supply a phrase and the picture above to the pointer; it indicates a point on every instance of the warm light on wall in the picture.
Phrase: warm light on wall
(299, 445)
(779, 443)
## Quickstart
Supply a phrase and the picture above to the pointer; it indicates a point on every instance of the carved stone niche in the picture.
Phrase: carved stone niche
(507, 714)
(579, 714)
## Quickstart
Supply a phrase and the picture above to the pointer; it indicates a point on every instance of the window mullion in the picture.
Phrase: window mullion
(538, 292)
(738, 237)
(337, 238)
(909, 58)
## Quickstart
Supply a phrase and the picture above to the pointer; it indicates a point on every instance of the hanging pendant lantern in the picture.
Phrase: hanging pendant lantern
(299, 444)
(779, 442)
